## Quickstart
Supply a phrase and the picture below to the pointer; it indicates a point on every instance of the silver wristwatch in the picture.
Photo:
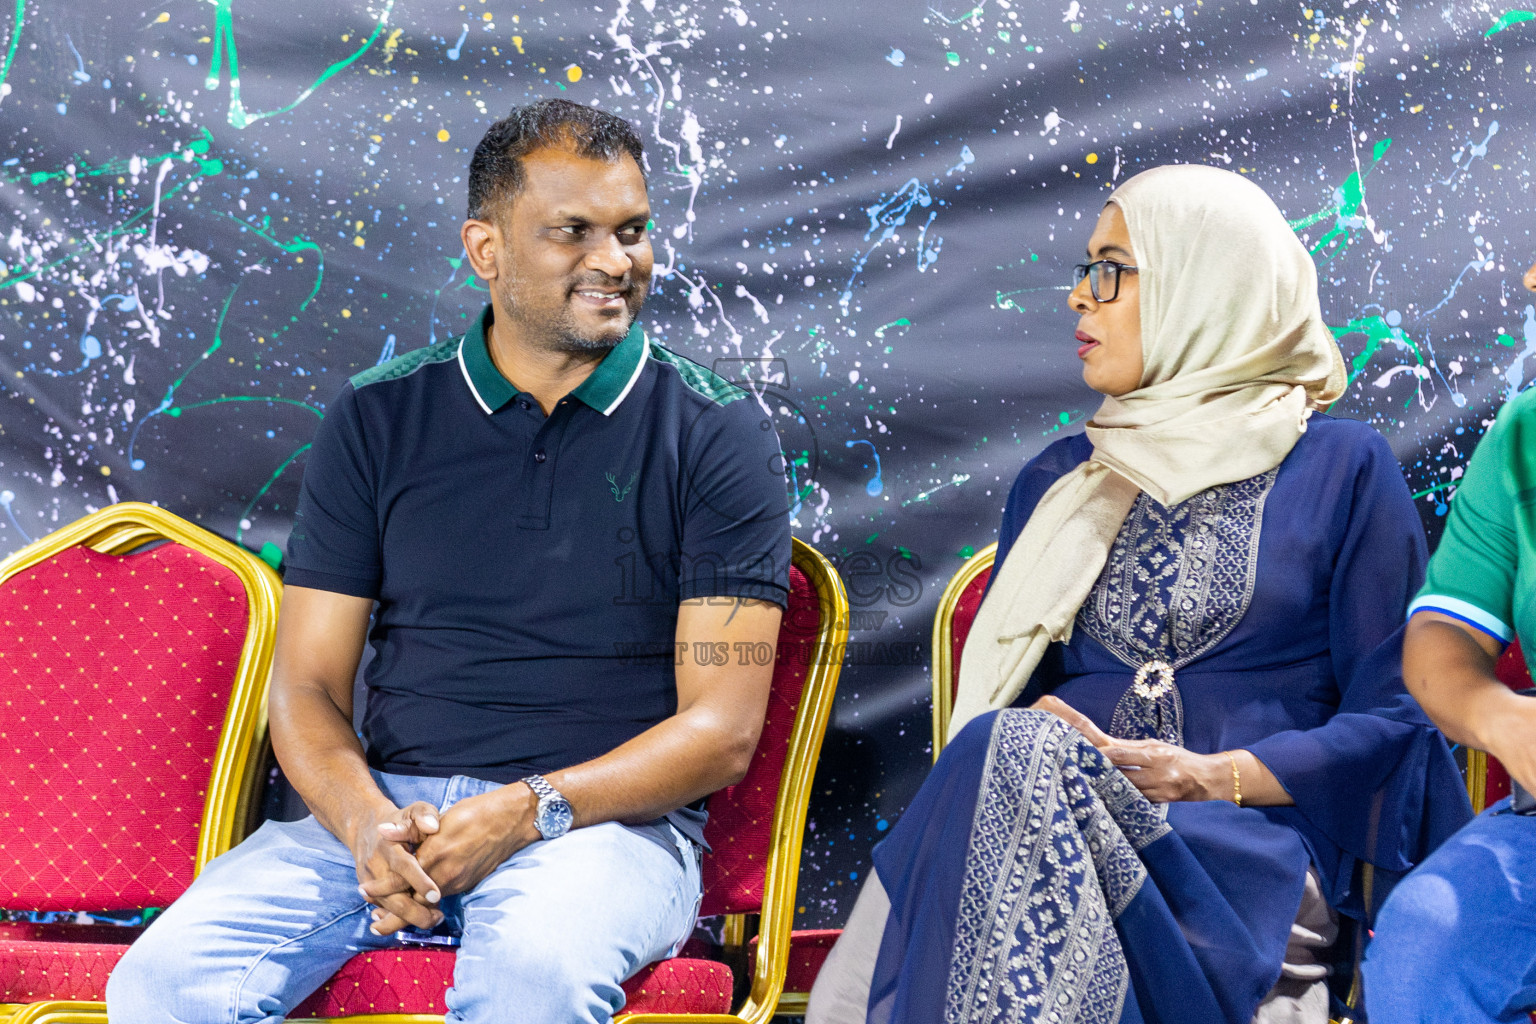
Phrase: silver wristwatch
(553, 817)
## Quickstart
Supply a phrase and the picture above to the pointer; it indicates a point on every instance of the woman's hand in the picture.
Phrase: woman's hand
(1162, 771)
(1075, 718)
(1165, 773)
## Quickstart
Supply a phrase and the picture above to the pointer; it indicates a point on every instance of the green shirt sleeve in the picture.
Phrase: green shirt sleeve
(1485, 555)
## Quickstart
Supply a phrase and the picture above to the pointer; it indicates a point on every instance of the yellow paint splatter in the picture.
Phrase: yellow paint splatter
(486, 16)
(517, 41)
(1093, 158)
(442, 135)
(346, 313)
(106, 470)
(392, 44)
(358, 241)
(573, 73)
(165, 16)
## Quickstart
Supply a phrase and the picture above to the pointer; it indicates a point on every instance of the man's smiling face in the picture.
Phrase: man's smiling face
(574, 260)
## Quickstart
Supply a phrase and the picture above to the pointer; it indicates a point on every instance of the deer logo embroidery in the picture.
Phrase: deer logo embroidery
(613, 485)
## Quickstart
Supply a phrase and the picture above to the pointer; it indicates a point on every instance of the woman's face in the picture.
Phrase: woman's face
(1109, 333)
(1530, 278)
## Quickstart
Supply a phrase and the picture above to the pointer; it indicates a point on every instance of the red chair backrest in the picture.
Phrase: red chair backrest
(116, 672)
(1515, 674)
(740, 826)
(960, 622)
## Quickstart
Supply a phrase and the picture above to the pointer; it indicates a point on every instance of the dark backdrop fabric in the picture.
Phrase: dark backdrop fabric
(211, 214)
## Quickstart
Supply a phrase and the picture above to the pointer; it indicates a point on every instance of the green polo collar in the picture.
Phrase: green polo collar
(604, 390)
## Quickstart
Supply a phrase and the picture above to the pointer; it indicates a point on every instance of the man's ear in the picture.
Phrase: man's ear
(482, 243)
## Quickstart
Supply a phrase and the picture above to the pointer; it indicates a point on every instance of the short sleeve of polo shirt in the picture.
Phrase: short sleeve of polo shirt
(335, 540)
(1472, 573)
(735, 537)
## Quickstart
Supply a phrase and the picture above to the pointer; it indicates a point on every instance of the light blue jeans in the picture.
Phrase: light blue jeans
(547, 938)
(1456, 940)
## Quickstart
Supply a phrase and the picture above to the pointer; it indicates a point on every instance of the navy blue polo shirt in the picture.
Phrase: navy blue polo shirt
(528, 569)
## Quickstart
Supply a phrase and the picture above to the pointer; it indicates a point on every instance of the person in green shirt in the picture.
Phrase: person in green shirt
(1456, 941)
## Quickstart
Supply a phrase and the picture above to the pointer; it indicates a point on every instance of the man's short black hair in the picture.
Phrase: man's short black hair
(496, 170)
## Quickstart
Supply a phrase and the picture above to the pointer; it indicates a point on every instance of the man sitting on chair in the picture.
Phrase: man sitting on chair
(553, 514)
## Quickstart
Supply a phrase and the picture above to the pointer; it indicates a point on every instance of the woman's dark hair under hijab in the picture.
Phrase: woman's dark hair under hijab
(496, 170)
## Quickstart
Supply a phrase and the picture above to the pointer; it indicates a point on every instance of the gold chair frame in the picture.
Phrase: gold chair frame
(235, 780)
(783, 868)
(943, 641)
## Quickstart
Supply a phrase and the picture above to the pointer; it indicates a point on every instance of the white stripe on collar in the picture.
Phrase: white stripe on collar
(467, 380)
(645, 353)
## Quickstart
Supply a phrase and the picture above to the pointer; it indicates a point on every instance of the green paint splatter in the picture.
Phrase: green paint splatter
(871, 538)
(906, 553)
(224, 36)
(974, 12)
(271, 554)
(1438, 487)
(1505, 340)
(178, 410)
(966, 552)
(240, 530)
(953, 58)
(903, 322)
(1512, 18)
(1376, 331)
(1346, 209)
(195, 151)
(1064, 420)
(296, 245)
(10, 52)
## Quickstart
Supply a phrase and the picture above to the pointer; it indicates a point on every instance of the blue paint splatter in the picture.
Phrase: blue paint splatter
(876, 484)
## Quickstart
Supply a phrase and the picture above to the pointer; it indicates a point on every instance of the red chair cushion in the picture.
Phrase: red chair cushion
(117, 672)
(1515, 674)
(415, 980)
(960, 622)
(31, 971)
(740, 824)
(808, 949)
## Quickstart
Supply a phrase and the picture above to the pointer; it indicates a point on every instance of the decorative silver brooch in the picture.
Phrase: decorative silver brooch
(1149, 690)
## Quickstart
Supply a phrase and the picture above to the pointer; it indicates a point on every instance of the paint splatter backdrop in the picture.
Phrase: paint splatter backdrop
(212, 213)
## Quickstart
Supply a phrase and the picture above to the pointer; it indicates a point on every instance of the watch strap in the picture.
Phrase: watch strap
(541, 787)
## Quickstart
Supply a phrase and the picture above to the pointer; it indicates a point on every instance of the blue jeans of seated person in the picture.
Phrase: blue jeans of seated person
(547, 937)
(1456, 940)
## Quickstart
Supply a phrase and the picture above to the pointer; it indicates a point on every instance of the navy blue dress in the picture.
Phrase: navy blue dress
(1278, 601)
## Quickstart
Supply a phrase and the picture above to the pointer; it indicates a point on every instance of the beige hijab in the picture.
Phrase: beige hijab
(1235, 358)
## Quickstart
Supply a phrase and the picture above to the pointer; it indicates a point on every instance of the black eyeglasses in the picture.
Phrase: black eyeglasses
(1103, 276)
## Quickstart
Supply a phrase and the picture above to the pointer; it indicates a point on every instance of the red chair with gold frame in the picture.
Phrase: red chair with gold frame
(951, 625)
(135, 681)
(756, 828)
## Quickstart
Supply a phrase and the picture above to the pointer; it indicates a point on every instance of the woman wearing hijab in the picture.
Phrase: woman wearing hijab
(1457, 940)
(1193, 628)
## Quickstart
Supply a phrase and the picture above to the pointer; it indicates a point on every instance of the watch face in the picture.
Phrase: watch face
(553, 819)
